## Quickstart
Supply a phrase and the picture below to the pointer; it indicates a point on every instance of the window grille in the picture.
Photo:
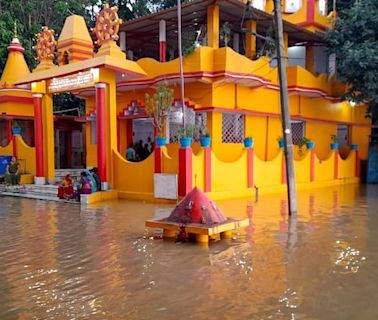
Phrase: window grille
(232, 128)
(191, 118)
(298, 131)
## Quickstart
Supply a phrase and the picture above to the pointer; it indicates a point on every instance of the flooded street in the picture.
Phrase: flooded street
(61, 261)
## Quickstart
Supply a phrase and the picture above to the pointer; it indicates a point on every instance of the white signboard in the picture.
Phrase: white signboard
(165, 186)
(77, 81)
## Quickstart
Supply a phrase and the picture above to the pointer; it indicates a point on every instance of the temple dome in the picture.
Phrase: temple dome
(15, 67)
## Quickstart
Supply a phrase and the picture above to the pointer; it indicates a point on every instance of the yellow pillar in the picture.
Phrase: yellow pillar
(250, 40)
(213, 26)
(214, 126)
(48, 137)
(310, 66)
(109, 77)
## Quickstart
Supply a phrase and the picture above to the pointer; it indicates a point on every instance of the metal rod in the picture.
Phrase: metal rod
(182, 83)
(286, 123)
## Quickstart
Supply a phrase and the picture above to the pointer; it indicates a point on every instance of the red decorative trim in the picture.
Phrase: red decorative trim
(163, 51)
(356, 165)
(250, 167)
(158, 160)
(336, 167)
(101, 132)
(16, 99)
(207, 169)
(74, 42)
(197, 74)
(185, 183)
(312, 168)
(12, 116)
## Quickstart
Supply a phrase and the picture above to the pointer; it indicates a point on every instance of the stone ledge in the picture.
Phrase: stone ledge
(100, 196)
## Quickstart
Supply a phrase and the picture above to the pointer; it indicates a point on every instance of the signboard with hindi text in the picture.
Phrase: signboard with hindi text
(76, 81)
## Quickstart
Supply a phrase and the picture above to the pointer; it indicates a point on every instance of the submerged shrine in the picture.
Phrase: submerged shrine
(231, 93)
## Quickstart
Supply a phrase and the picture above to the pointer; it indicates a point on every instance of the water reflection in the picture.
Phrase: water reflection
(59, 261)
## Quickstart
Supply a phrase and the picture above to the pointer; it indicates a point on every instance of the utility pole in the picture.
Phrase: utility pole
(285, 111)
(182, 88)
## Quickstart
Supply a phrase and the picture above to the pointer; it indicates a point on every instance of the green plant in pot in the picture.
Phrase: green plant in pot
(158, 107)
(16, 129)
(334, 142)
(205, 138)
(305, 142)
(225, 33)
(186, 134)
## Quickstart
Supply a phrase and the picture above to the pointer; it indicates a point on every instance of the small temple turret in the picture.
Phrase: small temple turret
(15, 66)
(74, 43)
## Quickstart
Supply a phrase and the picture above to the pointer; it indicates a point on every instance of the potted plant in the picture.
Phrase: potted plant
(281, 142)
(248, 142)
(305, 142)
(185, 135)
(158, 107)
(205, 139)
(16, 129)
(354, 147)
(225, 33)
(334, 142)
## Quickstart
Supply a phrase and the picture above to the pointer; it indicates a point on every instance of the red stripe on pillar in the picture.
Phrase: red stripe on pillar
(185, 171)
(38, 135)
(15, 145)
(163, 50)
(9, 131)
(283, 179)
(207, 169)
(158, 162)
(250, 167)
(101, 131)
(312, 168)
(336, 168)
(356, 168)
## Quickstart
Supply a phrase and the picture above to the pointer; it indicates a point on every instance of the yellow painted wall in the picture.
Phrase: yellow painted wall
(7, 150)
(199, 170)
(26, 156)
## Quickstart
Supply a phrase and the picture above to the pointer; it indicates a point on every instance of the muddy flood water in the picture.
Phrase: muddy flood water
(60, 261)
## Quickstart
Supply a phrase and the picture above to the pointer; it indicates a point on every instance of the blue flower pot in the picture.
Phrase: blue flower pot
(205, 142)
(334, 146)
(185, 142)
(161, 141)
(16, 130)
(354, 147)
(310, 145)
(248, 142)
(281, 143)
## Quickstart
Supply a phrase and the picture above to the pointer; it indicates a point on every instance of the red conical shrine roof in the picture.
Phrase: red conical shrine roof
(196, 207)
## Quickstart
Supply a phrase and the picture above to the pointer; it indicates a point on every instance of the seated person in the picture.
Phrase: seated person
(66, 188)
(95, 175)
(85, 184)
(12, 172)
(93, 181)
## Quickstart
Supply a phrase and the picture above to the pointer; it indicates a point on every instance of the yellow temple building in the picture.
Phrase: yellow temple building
(231, 89)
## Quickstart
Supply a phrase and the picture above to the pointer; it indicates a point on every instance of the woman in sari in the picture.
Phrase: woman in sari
(12, 173)
(85, 184)
(66, 188)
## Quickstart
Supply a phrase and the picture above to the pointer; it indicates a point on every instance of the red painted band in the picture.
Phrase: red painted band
(16, 99)
(312, 168)
(163, 50)
(101, 133)
(284, 178)
(310, 11)
(250, 167)
(185, 183)
(336, 167)
(158, 162)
